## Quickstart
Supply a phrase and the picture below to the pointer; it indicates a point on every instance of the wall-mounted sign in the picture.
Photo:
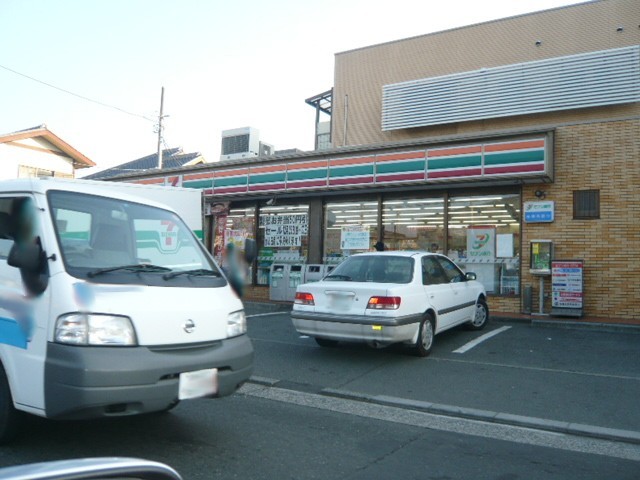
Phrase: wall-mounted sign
(539, 212)
(567, 287)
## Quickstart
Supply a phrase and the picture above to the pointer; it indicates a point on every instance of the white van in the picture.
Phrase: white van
(109, 306)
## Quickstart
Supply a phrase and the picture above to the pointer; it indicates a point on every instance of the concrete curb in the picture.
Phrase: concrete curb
(543, 424)
(602, 433)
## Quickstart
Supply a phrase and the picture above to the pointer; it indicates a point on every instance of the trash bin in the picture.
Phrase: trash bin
(313, 273)
(278, 287)
(294, 279)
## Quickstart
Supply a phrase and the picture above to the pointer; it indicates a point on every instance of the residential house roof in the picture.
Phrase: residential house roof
(171, 158)
(58, 146)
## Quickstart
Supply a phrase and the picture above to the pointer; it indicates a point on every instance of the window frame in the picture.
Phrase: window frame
(583, 214)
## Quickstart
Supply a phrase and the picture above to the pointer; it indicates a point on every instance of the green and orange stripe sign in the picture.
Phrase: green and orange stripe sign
(482, 161)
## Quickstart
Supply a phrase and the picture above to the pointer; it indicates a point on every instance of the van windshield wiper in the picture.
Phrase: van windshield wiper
(198, 272)
(136, 267)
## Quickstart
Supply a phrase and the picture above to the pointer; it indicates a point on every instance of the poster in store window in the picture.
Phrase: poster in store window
(237, 237)
(285, 230)
(481, 244)
(354, 237)
(481, 254)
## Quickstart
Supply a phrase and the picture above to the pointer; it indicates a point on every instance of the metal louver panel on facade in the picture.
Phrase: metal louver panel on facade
(592, 79)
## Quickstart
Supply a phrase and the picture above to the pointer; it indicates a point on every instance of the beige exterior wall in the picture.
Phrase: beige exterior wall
(604, 156)
(594, 148)
(361, 74)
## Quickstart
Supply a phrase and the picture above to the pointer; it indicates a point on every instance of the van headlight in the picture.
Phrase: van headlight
(95, 329)
(236, 324)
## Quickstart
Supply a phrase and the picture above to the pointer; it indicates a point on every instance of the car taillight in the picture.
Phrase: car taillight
(303, 298)
(384, 303)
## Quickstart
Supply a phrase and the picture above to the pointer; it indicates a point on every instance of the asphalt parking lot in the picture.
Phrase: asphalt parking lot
(513, 372)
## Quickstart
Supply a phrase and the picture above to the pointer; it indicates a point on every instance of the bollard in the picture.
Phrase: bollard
(527, 299)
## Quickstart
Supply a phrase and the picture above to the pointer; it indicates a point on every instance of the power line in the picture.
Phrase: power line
(78, 95)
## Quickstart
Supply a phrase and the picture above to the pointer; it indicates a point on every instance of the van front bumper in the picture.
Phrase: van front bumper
(89, 382)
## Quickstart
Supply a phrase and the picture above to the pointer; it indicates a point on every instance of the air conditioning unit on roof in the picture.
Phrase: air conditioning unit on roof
(240, 143)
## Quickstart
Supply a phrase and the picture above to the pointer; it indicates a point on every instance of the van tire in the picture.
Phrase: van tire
(9, 417)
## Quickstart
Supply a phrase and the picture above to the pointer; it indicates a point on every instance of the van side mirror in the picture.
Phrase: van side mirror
(250, 250)
(470, 276)
(31, 260)
(26, 256)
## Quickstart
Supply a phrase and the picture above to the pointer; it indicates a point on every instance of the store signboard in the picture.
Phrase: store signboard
(354, 237)
(567, 287)
(539, 212)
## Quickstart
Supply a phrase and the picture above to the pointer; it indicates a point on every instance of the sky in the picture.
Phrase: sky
(223, 64)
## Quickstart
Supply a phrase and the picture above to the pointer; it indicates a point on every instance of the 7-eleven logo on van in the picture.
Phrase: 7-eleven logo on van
(169, 236)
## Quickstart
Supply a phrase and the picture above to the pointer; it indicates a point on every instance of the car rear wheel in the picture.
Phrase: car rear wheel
(325, 342)
(9, 416)
(423, 345)
(480, 317)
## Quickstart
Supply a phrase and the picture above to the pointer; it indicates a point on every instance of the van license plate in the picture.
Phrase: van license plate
(200, 383)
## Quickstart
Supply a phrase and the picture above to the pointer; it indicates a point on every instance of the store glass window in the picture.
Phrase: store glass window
(414, 224)
(283, 238)
(350, 227)
(234, 225)
(484, 238)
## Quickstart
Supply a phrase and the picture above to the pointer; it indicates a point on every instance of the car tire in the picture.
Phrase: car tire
(480, 316)
(9, 416)
(426, 333)
(325, 342)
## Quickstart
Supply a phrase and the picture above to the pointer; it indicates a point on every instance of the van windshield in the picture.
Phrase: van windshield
(115, 241)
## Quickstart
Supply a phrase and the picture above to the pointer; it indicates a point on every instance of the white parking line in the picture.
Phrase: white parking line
(468, 346)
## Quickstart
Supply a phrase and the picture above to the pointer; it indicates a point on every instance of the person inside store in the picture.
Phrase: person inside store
(379, 247)
(233, 269)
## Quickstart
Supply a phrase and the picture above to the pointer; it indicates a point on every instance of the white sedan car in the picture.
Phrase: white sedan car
(390, 297)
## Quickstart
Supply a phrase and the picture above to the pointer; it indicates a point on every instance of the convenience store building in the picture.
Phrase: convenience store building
(474, 142)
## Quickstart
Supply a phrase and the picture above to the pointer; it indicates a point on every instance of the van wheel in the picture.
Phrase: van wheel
(325, 342)
(9, 416)
(480, 316)
(423, 345)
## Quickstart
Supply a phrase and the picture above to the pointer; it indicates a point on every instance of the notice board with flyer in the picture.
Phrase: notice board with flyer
(567, 287)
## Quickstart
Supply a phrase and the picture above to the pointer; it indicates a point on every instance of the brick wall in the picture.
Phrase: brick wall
(604, 156)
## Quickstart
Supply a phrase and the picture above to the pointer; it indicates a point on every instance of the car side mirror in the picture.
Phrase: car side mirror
(250, 250)
(470, 276)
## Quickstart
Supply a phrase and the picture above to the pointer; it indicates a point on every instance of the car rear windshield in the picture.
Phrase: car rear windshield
(374, 268)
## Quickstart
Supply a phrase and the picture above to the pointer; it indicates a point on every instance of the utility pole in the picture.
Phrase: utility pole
(160, 118)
